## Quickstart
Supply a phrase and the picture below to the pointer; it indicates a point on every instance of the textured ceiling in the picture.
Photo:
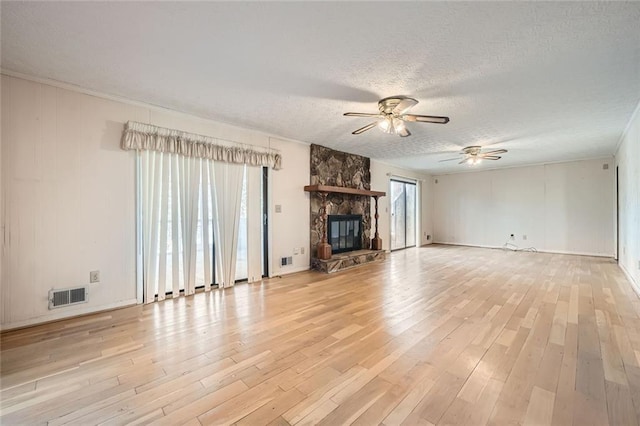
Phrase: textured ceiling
(548, 81)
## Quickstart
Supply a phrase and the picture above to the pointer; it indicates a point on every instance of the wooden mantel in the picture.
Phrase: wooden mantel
(341, 190)
(324, 248)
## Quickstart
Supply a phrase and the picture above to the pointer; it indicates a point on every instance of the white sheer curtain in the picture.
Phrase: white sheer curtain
(228, 190)
(173, 207)
(189, 206)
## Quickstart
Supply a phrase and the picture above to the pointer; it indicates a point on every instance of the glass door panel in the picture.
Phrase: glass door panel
(410, 210)
(397, 215)
(403, 214)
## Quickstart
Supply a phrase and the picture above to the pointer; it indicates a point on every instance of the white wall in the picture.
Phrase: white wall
(628, 162)
(69, 193)
(381, 174)
(290, 228)
(562, 207)
(69, 200)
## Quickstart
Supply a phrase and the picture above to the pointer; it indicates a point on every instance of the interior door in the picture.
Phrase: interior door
(403, 214)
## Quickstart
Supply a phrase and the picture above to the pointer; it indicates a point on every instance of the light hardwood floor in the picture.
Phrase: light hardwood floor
(433, 335)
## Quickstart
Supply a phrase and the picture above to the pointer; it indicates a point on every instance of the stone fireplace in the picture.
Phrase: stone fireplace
(340, 195)
(336, 168)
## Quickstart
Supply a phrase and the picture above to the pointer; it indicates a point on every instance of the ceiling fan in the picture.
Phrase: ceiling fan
(473, 155)
(392, 116)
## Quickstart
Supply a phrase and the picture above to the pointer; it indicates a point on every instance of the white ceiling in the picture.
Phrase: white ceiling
(548, 81)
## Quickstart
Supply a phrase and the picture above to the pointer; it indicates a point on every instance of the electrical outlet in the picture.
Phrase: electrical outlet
(278, 208)
(296, 251)
(524, 237)
(94, 276)
(301, 250)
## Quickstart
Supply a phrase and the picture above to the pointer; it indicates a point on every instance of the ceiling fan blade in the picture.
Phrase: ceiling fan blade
(490, 157)
(365, 128)
(404, 132)
(404, 105)
(449, 159)
(360, 114)
(425, 118)
(497, 151)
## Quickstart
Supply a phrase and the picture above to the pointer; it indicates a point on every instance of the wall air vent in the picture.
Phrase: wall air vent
(286, 261)
(66, 297)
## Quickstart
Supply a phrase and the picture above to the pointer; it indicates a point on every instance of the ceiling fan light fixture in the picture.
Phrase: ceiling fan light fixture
(472, 161)
(398, 125)
(385, 124)
(391, 125)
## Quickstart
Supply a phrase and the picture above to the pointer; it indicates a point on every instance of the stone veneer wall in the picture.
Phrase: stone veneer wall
(337, 168)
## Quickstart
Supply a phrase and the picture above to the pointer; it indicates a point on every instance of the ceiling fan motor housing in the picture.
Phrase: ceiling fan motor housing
(472, 150)
(387, 105)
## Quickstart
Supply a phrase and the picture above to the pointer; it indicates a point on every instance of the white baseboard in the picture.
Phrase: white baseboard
(57, 316)
(464, 245)
(290, 271)
(574, 253)
(634, 284)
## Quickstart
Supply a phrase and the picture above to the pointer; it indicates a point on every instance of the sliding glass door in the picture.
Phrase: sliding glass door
(403, 214)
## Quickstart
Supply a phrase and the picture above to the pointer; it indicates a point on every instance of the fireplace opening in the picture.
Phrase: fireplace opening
(344, 232)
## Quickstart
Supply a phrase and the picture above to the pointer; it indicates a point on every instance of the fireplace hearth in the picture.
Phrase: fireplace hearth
(344, 232)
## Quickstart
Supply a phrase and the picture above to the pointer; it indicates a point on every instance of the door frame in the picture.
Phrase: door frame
(404, 181)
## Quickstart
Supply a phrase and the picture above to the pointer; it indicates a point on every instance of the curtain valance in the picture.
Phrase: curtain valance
(140, 136)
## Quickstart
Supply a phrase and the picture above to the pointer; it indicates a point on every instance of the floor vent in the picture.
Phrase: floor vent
(66, 297)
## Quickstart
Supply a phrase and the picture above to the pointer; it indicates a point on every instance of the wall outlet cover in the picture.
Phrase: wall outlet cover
(278, 208)
(94, 276)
